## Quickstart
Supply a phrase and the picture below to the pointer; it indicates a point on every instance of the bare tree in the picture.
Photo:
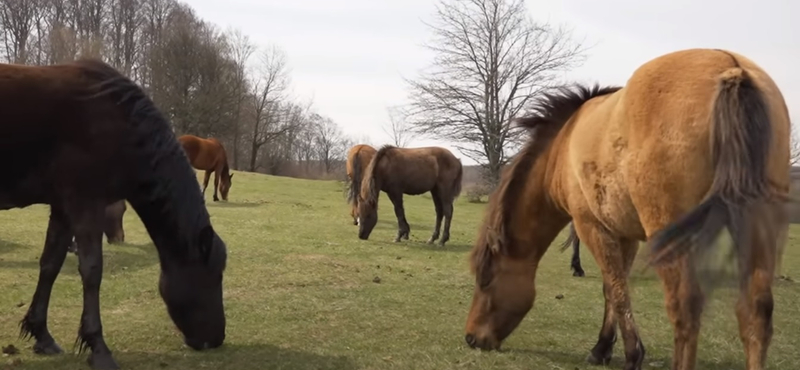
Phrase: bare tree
(18, 19)
(328, 140)
(491, 58)
(269, 88)
(398, 128)
(241, 49)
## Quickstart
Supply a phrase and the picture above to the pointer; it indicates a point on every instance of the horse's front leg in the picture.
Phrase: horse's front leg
(403, 228)
(59, 236)
(217, 175)
(89, 235)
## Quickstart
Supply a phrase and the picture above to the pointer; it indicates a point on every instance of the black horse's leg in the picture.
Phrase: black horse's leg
(437, 203)
(576, 257)
(448, 216)
(403, 228)
(89, 234)
(56, 243)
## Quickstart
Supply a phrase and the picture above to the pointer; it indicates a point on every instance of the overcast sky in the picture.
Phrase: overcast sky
(349, 56)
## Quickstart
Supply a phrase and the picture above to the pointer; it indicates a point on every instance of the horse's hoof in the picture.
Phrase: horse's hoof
(397, 240)
(102, 361)
(593, 360)
(431, 240)
(579, 273)
(47, 348)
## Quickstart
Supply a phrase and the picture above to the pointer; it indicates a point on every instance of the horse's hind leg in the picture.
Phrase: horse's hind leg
(684, 302)
(437, 203)
(615, 257)
(34, 323)
(89, 235)
(403, 228)
(447, 206)
(755, 305)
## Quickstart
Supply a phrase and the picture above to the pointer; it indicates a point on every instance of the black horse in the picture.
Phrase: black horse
(83, 136)
(573, 239)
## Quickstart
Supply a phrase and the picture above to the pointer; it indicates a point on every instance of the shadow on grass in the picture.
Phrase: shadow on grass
(245, 204)
(265, 356)
(116, 259)
(8, 247)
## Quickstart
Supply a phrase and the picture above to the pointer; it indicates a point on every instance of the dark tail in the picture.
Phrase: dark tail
(571, 238)
(741, 137)
(355, 183)
(457, 183)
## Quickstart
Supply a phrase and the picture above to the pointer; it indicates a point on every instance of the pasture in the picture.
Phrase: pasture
(303, 292)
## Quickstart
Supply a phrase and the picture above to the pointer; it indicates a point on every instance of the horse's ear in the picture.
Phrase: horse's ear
(230, 176)
(205, 243)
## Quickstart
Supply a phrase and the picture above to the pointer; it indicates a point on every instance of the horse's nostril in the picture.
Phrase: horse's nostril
(470, 340)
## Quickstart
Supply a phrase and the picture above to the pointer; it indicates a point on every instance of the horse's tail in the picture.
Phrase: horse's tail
(354, 188)
(572, 238)
(457, 182)
(741, 135)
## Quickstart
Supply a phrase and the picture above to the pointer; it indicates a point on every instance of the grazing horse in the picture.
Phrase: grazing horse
(358, 158)
(209, 155)
(112, 224)
(697, 141)
(412, 171)
(85, 136)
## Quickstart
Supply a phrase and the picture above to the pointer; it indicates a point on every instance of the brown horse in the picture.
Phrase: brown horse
(697, 141)
(412, 171)
(358, 158)
(83, 137)
(209, 155)
(112, 225)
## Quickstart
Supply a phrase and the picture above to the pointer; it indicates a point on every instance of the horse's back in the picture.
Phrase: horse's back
(647, 147)
(203, 154)
(59, 140)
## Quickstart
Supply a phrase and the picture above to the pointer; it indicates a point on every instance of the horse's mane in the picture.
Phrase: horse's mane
(370, 192)
(167, 197)
(550, 113)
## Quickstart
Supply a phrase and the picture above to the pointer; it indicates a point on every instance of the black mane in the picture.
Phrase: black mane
(167, 196)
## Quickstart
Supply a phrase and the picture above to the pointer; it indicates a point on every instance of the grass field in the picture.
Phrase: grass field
(301, 293)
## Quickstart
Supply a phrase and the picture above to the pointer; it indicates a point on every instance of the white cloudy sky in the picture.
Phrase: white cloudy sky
(350, 55)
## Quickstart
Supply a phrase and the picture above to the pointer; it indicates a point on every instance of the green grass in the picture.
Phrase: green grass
(299, 293)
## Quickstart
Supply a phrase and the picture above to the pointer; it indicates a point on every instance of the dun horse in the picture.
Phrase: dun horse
(112, 224)
(84, 136)
(697, 141)
(412, 171)
(358, 158)
(209, 155)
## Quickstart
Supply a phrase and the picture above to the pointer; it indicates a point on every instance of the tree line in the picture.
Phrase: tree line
(209, 82)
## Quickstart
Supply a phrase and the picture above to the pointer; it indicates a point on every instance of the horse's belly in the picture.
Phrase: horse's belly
(612, 205)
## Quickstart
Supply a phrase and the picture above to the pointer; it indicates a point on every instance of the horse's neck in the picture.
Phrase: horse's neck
(169, 203)
(535, 219)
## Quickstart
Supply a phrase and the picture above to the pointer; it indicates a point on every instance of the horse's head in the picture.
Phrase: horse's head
(367, 217)
(225, 186)
(503, 295)
(192, 290)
